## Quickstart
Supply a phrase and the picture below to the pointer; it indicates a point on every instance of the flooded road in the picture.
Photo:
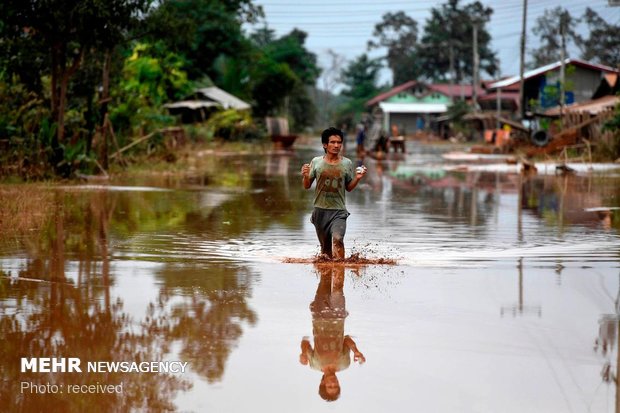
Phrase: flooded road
(504, 298)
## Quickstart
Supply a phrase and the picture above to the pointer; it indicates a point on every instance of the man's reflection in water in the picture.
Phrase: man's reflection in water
(332, 349)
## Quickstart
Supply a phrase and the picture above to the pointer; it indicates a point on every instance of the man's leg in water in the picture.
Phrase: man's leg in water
(331, 226)
(338, 229)
(325, 239)
(321, 225)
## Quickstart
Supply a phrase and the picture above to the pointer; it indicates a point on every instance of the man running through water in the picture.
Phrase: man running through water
(333, 173)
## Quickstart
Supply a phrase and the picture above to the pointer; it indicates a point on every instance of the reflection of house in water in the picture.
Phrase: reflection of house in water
(457, 196)
(567, 200)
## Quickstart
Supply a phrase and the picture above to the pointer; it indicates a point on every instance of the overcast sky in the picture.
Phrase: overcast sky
(345, 26)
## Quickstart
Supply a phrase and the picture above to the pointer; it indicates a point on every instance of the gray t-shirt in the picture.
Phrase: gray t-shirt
(331, 182)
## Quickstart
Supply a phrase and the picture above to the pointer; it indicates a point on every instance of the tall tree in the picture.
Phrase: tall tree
(603, 44)
(281, 70)
(151, 76)
(448, 37)
(360, 78)
(549, 28)
(201, 30)
(398, 33)
(272, 82)
(290, 49)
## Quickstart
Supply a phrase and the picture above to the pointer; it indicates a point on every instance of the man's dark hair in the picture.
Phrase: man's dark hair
(330, 132)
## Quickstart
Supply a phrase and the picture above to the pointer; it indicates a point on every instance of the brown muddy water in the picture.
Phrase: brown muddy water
(504, 295)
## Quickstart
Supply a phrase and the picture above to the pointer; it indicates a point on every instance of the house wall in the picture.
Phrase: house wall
(407, 123)
(586, 83)
(581, 83)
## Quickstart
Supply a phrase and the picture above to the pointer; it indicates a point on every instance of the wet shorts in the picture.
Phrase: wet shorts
(330, 224)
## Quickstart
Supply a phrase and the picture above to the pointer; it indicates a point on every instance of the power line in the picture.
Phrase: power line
(335, 25)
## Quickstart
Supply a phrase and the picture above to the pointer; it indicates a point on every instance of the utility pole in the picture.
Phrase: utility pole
(476, 65)
(521, 69)
(452, 74)
(562, 68)
(498, 101)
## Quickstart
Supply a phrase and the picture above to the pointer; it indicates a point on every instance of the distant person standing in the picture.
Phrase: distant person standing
(360, 139)
(334, 174)
(343, 128)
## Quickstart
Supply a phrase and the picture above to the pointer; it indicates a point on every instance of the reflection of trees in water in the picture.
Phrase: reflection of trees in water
(217, 213)
(66, 310)
(256, 210)
(205, 310)
(56, 315)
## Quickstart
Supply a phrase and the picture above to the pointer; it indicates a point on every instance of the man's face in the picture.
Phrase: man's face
(334, 144)
(332, 386)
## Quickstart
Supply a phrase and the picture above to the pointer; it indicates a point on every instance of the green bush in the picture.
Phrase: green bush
(231, 125)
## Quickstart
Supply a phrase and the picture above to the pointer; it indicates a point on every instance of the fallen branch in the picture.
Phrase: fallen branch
(132, 144)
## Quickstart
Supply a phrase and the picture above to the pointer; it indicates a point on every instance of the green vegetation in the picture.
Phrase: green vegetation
(609, 146)
(80, 80)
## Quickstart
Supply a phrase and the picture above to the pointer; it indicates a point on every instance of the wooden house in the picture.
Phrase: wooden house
(414, 105)
(542, 86)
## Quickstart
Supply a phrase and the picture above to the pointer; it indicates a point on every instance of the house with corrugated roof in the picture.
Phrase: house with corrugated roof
(203, 102)
(542, 85)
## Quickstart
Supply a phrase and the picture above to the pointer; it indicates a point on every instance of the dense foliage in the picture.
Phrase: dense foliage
(75, 73)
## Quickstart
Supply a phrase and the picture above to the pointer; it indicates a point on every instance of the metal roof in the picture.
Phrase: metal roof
(391, 92)
(446, 89)
(191, 104)
(227, 100)
(455, 90)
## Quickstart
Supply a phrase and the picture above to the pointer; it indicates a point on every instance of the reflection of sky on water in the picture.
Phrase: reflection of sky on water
(434, 341)
(136, 277)
(495, 305)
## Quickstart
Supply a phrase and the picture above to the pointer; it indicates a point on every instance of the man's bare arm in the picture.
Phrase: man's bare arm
(357, 355)
(305, 173)
(306, 348)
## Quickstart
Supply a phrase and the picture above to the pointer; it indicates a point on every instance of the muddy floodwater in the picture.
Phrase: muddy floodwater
(196, 291)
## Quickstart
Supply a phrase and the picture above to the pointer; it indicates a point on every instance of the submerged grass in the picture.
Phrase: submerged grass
(194, 155)
(23, 209)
